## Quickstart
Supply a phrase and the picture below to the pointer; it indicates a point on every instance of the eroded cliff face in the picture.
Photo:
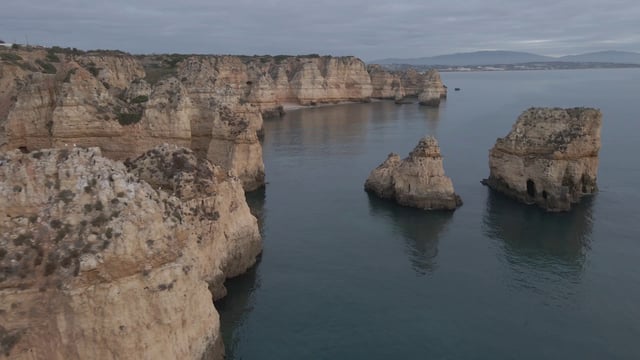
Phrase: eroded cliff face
(416, 181)
(550, 157)
(96, 263)
(223, 239)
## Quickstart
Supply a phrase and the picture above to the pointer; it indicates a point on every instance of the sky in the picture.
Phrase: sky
(369, 29)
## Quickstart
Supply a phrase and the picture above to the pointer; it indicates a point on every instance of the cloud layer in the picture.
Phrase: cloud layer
(366, 28)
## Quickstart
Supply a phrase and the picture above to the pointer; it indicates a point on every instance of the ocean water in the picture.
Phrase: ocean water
(348, 276)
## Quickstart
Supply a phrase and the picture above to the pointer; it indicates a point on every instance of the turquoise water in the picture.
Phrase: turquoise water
(348, 276)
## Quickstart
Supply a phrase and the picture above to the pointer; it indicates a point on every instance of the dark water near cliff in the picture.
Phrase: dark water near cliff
(346, 276)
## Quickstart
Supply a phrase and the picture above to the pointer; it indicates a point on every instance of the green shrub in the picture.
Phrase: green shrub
(129, 118)
(9, 56)
(140, 99)
(47, 68)
(52, 57)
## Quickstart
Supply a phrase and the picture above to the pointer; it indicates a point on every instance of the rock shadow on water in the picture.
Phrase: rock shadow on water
(236, 307)
(545, 252)
(256, 200)
(421, 230)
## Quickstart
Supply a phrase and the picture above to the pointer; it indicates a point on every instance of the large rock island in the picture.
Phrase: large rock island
(550, 157)
(416, 181)
(99, 261)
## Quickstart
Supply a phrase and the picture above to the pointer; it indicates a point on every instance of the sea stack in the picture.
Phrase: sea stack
(417, 181)
(550, 157)
(432, 89)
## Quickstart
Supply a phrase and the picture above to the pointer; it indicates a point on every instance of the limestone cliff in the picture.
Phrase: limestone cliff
(417, 181)
(385, 84)
(550, 157)
(96, 263)
(97, 99)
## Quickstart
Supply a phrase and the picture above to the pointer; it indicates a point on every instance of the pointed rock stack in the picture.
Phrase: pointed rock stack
(416, 181)
(550, 157)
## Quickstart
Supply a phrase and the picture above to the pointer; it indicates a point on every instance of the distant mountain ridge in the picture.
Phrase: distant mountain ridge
(513, 57)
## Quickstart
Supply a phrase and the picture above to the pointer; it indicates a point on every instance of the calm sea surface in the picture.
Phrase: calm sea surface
(348, 276)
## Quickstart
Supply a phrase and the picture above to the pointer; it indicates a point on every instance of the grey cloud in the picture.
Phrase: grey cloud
(369, 29)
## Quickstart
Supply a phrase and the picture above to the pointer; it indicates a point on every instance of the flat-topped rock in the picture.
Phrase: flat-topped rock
(550, 157)
(416, 181)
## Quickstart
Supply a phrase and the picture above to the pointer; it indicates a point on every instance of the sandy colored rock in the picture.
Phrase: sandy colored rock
(96, 263)
(385, 84)
(550, 157)
(224, 240)
(416, 181)
(432, 89)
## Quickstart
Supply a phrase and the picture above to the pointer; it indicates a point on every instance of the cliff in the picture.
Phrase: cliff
(550, 157)
(416, 181)
(103, 99)
(101, 262)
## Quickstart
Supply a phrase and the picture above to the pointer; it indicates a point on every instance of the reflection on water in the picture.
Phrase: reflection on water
(545, 252)
(420, 230)
(432, 116)
(322, 125)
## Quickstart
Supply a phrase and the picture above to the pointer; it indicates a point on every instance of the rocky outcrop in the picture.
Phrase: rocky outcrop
(550, 157)
(417, 181)
(432, 89)
(228, 135)
(97, 263)
(397, 85)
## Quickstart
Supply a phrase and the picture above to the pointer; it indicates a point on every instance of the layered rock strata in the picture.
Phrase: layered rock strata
(550, 157)
(97, 263)
(416, 181)
(432, 89)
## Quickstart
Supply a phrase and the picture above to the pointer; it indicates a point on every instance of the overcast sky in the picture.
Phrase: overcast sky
(370, 29)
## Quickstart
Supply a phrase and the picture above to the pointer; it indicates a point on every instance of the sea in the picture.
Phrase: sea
(345, 275)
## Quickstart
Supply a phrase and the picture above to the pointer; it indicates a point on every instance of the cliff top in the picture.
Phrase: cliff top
(554, 131)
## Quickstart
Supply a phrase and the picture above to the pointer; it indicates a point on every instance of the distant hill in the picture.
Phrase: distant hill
(620, 57)
(513, 57)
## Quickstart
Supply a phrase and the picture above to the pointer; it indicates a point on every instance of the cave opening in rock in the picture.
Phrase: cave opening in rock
(531, 188)
(544, 194)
